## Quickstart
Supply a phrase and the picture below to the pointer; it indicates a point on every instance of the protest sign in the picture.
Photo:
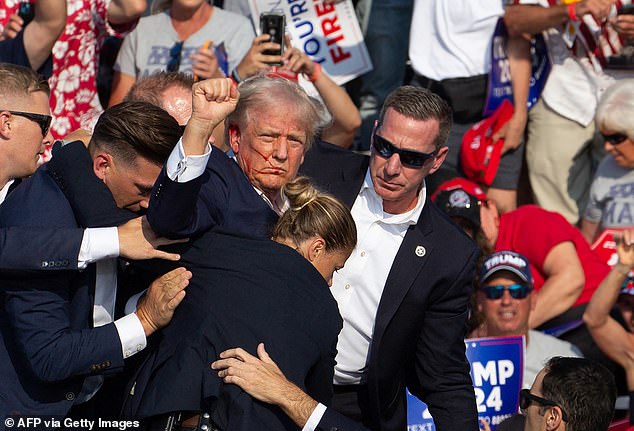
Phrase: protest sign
(497, 367)
(328, 34)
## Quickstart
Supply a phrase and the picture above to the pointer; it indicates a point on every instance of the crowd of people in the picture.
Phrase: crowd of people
(229, 240)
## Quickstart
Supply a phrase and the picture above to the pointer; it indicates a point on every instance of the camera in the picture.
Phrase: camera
(273, 24)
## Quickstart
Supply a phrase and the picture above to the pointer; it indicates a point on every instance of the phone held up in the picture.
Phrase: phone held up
(273, 24)
(26, 12)
(627, 9)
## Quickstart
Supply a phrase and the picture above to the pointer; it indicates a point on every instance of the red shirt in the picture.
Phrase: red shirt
(533, 232)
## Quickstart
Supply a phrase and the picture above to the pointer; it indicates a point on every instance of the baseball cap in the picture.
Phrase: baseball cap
(459, 197)
(506, 260)
(479, 155)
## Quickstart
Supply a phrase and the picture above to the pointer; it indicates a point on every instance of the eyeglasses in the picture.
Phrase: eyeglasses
(526, 398)
(409, 158)
(517, 291)
(615, 138)
(175, 57)
(44, 121)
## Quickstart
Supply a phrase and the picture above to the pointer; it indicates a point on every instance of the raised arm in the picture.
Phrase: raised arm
(125, 11)
(41, 34)
(345, 115)
(609, 335)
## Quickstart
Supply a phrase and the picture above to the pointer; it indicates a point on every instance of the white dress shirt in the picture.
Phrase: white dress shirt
(359, 285)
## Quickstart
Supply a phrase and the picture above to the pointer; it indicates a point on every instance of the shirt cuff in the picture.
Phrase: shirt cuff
(97, 244)
(315, 418)
(130, 306)
(182, 168)
(131, 335)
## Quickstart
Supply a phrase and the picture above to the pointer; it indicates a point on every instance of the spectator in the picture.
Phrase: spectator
(562, 151)
(614, 338)
(611, 203)
(55, 348)
(565, 271)
(255, 289)
(404, 292)
(32, 46)
(74, 99)
(570, 394)
(175, 39)
(506, 299)
(450, 54)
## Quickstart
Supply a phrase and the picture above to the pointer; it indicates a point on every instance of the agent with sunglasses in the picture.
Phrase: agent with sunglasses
(611, 201)
(404, 293)
(506, 298)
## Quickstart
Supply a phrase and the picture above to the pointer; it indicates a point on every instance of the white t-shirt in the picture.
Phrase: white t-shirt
(147, 49)
(452, 39)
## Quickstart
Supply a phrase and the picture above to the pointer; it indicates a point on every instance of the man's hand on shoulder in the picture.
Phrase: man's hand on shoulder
(156, 307)
(137, 241)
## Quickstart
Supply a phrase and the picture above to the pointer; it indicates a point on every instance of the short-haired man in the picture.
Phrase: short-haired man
(404, 292)
(506, 298)
(24, 122)
(569, 394)
(57, 328)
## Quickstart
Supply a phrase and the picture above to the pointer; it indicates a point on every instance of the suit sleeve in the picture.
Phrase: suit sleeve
(441, 371)
(31, 249)
(179, 210)
(335, 421)
(39, 312)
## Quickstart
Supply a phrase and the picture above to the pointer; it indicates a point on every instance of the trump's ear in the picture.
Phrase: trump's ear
(234, 137)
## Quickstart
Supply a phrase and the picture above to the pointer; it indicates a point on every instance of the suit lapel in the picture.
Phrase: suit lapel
(13, 185)
(410, 259)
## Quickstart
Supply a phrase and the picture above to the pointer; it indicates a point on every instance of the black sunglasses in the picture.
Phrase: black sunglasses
(44, 121)
(615, 138)
(409, 158)
(526, 398)
(174, 62)
(517, 291)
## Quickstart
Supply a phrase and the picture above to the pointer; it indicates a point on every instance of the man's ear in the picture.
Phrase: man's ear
(101, 164)
(440, 158)
(316, 248)
(234, 138)
(5, 125)
(553, 418)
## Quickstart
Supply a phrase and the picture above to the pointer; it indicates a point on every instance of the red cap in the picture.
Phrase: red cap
(461, 183)
(479, 155)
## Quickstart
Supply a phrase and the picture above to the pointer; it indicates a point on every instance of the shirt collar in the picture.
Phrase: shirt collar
(375, 203)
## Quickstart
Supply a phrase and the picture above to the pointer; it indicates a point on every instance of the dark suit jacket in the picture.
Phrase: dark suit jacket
(243, 292)
(46, 347)
(421, 320)
(220, 199)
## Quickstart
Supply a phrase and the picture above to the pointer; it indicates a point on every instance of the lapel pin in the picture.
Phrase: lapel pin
(420, 251)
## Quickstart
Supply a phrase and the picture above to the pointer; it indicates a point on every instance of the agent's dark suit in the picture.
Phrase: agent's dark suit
(420, 322)
(46, 347)
(244, 291)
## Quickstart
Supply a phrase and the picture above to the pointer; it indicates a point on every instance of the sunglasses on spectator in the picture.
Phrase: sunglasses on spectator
(409, 158)
(526, 398)
(615, 138)
(517, 291)
(174, 62)
(44, 121)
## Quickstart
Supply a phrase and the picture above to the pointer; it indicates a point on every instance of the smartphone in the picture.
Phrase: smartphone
(627, 9)
(274, 25)
(26, 12)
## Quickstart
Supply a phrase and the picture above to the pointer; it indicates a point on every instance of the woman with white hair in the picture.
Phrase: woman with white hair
(611, 201)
